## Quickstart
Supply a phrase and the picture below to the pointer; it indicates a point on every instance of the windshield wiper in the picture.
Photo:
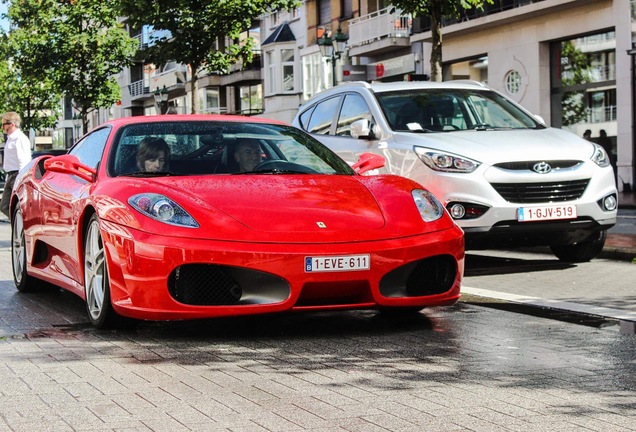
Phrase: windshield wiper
(150, 174)
(483, 127)
(273, 171)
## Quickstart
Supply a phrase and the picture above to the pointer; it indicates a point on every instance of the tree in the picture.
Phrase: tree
(79, 45)
(32, 95)
(197, 30)
(437, 10)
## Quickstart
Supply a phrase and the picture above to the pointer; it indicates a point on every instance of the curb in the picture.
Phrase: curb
(618, 255)
(625, 319)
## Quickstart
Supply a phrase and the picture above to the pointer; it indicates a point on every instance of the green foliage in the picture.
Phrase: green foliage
(444, 8)
(70, 47)
(195, 29)
(575, 69)
(23, 87)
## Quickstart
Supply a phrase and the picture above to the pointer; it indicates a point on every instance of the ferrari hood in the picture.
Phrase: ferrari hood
(297, 203)
(277, 208)
(496, 146)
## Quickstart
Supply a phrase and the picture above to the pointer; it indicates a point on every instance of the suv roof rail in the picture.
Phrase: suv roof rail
(468, 81)
(358, 83)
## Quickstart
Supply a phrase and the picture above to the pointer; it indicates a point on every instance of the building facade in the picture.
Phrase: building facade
(572, 62)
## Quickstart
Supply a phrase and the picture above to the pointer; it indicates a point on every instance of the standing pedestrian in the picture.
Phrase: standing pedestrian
(605, 142)
(17, 153)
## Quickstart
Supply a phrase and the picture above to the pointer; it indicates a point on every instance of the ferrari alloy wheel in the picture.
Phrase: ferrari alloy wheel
(96, 284)
(23, 281)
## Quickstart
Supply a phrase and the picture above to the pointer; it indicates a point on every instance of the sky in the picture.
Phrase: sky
(3, 22)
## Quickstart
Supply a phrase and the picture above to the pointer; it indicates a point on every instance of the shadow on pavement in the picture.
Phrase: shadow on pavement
(481, 265)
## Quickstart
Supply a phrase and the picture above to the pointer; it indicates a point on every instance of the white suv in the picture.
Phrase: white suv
(506, 178)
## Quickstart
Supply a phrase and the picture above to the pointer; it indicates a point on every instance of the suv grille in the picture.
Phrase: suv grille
(527, 165)
(541, 192)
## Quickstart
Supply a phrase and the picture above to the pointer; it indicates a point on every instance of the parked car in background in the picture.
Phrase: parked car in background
(53, 152)
(201, 236)
(506, 178)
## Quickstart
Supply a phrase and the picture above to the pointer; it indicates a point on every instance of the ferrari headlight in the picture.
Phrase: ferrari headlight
(600, 156)
(446, 162)
(163, 209)
(430, 208)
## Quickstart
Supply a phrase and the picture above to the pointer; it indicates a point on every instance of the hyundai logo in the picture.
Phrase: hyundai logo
(542, 167)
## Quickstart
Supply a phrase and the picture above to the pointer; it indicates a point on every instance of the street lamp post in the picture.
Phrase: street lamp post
(332, 48)
(77, 126)
(161, 99)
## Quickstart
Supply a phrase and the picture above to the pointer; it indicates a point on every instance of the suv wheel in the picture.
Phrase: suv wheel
(581, 251)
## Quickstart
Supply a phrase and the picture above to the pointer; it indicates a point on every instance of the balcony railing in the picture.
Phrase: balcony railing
(601, 114)
(138, 88)
(215, 110)
(379, 25)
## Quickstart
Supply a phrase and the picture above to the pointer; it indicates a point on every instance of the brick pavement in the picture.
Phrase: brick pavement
(463, 368)
(460, 368)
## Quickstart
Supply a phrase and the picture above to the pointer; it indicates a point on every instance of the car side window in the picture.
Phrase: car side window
(353, 108)
(89, 150)
(323, 116)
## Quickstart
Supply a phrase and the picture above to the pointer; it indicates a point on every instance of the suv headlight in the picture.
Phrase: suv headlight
(600, 156)
(445, 162)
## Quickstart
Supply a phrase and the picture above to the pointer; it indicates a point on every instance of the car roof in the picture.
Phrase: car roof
(379, 87)
(409, 85)
(190, 117)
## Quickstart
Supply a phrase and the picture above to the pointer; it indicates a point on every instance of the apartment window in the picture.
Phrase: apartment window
(271, 71)
(347, 8)
(251, 99)
(583, 82)
(324, 12)
(209, 100)
(513, 82)
(315, 78)
(287, 57)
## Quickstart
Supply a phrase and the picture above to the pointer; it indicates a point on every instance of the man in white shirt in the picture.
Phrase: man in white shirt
(17, 153)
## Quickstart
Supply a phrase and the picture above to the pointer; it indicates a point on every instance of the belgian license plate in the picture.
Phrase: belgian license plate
(337, 263)
(550, 212)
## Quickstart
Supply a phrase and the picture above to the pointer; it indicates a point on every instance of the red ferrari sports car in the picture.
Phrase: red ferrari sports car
(197, 216)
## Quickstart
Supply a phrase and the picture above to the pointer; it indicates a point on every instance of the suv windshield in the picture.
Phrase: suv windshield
(440, 110)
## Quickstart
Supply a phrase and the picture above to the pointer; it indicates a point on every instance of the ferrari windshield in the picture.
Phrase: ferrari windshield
(190, 148)
(447, 110)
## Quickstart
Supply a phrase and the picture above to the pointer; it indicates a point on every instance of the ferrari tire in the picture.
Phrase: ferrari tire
(96, 282)
(583, 251)
(22, 280)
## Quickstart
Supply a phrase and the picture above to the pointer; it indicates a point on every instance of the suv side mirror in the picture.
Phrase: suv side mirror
(361, 129)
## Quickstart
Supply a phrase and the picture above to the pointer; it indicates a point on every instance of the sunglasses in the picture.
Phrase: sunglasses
(6, 123)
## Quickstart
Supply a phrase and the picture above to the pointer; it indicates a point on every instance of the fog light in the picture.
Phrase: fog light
(457, 211)
(610, 203)
(465, 210)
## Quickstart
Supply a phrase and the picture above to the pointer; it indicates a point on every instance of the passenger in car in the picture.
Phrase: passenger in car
(153, 155)
(248, 154)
